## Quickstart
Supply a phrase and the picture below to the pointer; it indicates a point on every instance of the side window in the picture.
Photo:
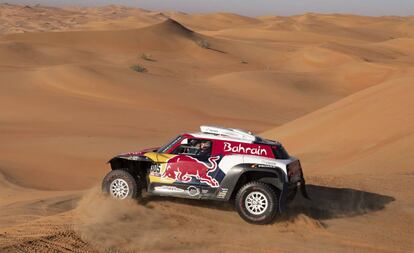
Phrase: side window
(194, 147)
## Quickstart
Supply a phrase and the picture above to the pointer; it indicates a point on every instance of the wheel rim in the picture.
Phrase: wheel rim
(119, 188)
(256, 203)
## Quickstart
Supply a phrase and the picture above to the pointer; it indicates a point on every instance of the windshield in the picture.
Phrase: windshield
(163, 149)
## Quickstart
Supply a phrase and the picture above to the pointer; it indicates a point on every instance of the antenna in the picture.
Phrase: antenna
(229, 132)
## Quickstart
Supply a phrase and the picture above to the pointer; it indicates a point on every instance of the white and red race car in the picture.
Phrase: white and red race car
(217, 164)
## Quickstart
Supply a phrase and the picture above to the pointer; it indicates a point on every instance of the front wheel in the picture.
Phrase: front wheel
(120, 184)
(256, 203)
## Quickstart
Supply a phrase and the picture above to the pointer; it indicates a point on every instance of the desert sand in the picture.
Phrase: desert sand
(336, 90)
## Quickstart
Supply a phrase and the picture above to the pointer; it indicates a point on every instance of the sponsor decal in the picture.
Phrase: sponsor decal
(228, 147)
(155, 170)
(130, 154)
(167, 188)
(132, 157)
(222, 193)
(183, 168)
(193, 191)
(264, 165)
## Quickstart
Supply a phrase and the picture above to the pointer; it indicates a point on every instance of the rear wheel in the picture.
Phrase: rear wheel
(257, 203)
(120, 184)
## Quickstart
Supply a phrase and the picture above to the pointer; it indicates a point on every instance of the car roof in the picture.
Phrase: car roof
(229, 134)
(202, 135)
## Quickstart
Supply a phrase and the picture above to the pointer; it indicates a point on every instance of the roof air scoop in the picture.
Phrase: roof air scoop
(229, 132)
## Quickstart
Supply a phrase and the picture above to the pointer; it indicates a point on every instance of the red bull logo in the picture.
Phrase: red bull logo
(183, 168)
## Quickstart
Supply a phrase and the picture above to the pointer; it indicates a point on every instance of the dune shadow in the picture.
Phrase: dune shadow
(329, 203)
(326, 203)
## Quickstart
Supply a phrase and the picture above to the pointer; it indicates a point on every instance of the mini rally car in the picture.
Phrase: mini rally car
(217, 164)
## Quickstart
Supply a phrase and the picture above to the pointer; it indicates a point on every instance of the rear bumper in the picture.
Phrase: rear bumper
(296, 179)
(303, 190)
(289, 192)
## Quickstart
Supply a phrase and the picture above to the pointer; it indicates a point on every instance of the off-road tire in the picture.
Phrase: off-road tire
(133, 187)
(263, 191)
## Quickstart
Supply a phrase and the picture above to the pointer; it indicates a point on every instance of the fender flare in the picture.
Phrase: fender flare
(233, 176)
(129, 158)
(138, 167)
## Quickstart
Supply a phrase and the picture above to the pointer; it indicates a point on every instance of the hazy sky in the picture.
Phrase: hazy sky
(255, 7)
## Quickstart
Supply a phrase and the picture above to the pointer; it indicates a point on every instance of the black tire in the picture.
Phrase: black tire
(266, 213)
(123, 177)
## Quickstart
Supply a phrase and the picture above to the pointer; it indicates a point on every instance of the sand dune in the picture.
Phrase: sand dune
(212, 22)
(364, 127)
(86, 76)
(335, 89)
(363, 140)
(341, 26)
(38, 18)
(114, 41)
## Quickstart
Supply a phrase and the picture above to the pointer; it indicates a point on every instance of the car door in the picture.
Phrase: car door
(175, 174)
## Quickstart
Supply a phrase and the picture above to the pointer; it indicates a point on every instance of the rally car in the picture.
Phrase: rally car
(216, 164)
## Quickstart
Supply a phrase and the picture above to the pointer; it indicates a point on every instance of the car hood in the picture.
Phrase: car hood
(136, 154)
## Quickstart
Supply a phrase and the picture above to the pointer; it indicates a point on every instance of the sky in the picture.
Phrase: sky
(253, 7)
